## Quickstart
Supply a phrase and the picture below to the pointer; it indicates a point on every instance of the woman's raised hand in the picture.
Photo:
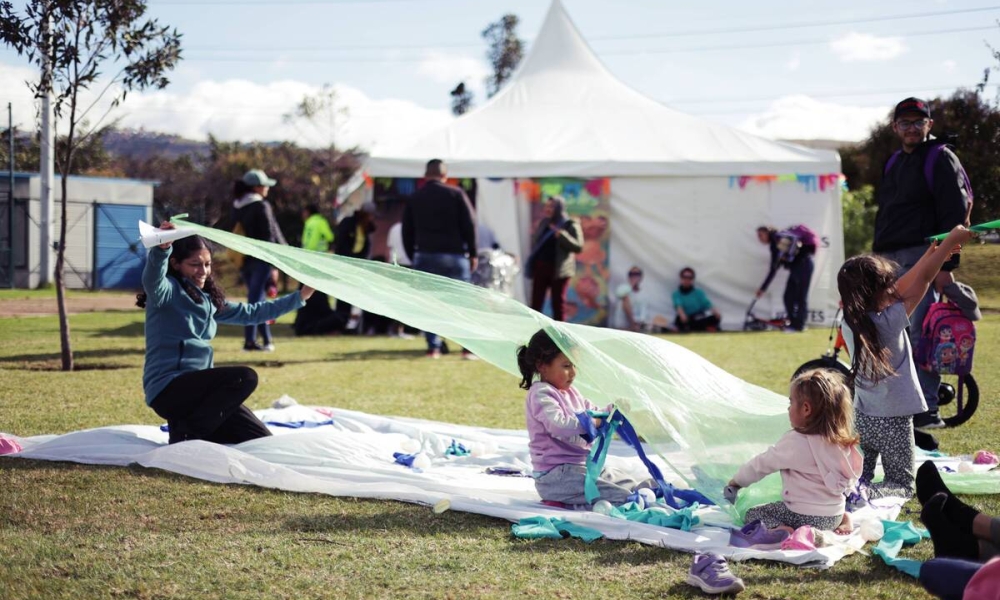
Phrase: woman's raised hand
(166, 225)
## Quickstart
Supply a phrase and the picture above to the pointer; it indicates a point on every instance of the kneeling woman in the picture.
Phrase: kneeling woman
(183, 305)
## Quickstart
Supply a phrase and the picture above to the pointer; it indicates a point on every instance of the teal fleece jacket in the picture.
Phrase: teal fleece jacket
(179, 331)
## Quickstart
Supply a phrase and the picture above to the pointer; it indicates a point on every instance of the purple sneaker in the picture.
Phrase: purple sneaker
(755, 535)
(711, 573)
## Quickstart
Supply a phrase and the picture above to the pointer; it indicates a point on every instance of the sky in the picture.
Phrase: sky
(780, 69)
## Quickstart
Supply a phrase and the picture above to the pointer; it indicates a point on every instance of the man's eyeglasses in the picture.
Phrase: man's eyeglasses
(635, 274)
(904, 125)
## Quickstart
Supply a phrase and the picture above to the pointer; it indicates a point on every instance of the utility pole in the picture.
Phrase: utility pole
(46, 264)
(10, 198)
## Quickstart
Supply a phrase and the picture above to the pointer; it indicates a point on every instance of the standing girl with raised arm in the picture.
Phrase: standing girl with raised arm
(887, 392)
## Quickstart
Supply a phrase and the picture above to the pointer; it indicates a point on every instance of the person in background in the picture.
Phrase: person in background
(182, 385)
(917, 200)
(631, 310)
(397, 251)
(256, 217)
(800, 265)
(397, 255)
(354, 240)
(439, 234)
(316, 317)
(694, 310)
(552, 261)
(316, 233)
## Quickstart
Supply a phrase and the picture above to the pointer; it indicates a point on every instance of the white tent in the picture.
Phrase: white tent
(676, 195)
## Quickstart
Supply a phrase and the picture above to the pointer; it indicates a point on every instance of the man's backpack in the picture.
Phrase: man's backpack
(930, 159)
(947, 340)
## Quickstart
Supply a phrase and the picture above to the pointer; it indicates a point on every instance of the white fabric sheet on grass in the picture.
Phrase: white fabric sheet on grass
(354, 457)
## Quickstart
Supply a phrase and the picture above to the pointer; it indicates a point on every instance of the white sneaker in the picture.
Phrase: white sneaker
(268, 347)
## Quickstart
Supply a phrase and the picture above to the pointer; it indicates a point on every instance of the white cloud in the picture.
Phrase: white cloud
(864, 47)
(793, 63)
(949, 65)
(452, 70)
(805, 118)
(14, 89)
(240, 110)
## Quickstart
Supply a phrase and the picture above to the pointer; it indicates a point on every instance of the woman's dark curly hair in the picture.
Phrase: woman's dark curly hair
(540, 350)
(182, 249)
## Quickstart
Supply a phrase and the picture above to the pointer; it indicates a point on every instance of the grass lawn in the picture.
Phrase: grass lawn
(73, 531)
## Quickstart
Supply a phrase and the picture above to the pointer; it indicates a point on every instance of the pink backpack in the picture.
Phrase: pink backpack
(947, 340)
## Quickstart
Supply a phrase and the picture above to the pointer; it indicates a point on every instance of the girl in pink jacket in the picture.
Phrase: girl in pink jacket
(557, 440)
(818, 459)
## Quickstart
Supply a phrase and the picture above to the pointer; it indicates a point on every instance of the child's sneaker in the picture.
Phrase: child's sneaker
(756, 535)
(711, 573)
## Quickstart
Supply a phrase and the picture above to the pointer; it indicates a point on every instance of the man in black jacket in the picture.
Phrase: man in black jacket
(923, 192)
(439, 234)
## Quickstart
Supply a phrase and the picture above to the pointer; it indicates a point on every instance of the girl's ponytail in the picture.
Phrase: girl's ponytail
(526, 367)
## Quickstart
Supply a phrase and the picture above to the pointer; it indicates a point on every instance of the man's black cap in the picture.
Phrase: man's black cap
(911, 105)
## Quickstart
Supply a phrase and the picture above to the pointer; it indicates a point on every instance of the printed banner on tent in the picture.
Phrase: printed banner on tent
(588, 201)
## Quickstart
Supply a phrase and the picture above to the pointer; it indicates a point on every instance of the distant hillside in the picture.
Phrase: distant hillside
(141, 144)
(823, 144)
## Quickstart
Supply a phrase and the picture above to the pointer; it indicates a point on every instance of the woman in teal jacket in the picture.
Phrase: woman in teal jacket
(183, 305)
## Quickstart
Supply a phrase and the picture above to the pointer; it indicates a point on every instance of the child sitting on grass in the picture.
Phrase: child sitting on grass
(558, 448)
(818, 459)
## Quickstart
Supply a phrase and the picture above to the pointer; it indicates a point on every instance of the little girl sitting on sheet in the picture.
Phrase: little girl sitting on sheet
(558, 450)
(818, 459)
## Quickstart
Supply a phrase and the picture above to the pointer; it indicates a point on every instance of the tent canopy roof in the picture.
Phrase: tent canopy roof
(564, 114)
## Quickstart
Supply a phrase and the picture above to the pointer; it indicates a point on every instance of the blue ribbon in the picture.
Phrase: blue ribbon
(675, 498)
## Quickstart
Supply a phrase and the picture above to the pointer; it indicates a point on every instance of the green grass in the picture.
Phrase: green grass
(75, 531)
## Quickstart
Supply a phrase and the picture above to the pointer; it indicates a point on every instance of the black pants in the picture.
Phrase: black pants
(699, 322)
(796, 298)
(208, 405)
(317, 318)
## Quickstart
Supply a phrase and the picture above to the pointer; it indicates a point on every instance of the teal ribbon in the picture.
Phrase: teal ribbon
(533, 528)
(896, 536)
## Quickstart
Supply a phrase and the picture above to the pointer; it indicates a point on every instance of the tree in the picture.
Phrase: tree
(504, 53)
(461, 100)
(986, 72)
(71, 41)
(90, 157)
(858, 208)
(324, 115)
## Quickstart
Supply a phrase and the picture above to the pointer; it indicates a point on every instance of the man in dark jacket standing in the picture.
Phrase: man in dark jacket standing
(439, 234)
(918, 198)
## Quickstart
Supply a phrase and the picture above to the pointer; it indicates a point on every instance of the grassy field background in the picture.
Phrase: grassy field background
(74, 531)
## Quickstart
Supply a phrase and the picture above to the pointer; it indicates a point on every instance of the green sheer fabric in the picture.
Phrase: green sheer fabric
(702, 421)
